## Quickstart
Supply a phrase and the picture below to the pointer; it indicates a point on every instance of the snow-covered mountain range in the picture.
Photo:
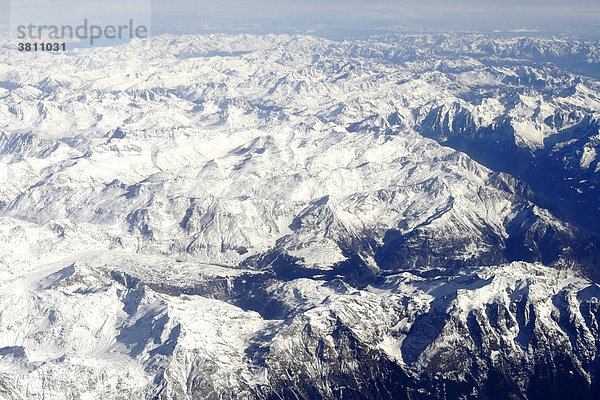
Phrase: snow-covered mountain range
(215, 216)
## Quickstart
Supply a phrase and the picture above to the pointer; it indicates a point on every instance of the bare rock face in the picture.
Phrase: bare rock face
(410, 217)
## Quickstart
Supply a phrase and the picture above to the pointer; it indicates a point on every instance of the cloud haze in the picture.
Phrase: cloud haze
(550, 16)
(349, 16)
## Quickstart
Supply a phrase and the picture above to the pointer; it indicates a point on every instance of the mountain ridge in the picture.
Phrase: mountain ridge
(284, 217)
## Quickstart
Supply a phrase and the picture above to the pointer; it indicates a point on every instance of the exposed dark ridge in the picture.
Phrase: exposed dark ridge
(494, 146)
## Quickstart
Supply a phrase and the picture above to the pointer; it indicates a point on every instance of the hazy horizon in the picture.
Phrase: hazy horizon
(329, 18)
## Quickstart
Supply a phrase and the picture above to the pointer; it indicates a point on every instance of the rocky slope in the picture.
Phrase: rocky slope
(264, 217)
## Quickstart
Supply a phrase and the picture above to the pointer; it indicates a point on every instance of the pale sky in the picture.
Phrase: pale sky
(328, 17)
(579, 16)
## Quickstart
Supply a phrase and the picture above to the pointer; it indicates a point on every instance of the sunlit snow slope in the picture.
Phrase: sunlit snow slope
(285, 216)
